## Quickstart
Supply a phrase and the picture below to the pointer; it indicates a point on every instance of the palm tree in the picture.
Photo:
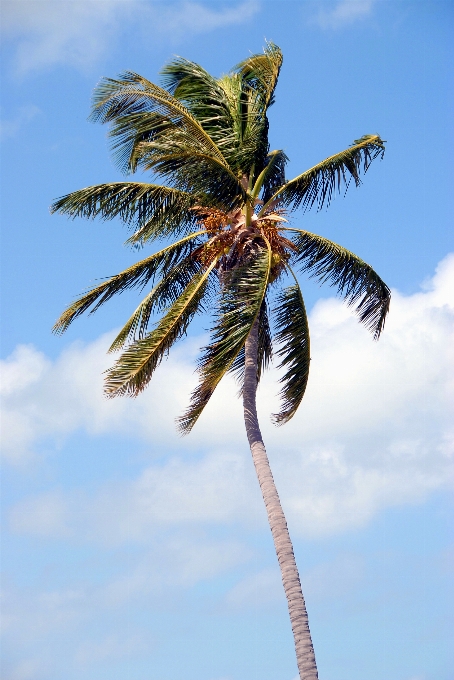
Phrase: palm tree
(225, 202)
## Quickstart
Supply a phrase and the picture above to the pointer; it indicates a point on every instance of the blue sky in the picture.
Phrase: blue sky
(131, 553)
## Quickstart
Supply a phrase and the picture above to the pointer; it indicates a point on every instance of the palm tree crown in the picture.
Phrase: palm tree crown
(225, 201)
(225, 205)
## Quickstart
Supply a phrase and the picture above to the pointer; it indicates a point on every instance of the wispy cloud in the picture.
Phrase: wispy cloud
(194, 18)
(9, 127)
(343, 13)
(77, 33)
(54, 32)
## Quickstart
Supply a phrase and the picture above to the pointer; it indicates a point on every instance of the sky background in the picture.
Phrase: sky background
(130, 553)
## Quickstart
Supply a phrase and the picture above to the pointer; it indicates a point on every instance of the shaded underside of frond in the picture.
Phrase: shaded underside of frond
(241, 299)
(292, 339)
(318, 185)
(355, 280)
(139, 275)
(133, 370)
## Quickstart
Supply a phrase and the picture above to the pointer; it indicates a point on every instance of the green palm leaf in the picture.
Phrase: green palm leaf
(318, 184)
(135, 367)
(191, 170)
(242, 297)
(261, 72)
(204, 97)
(292, 336)
(164, 294)
(171, 128)
(154, 211)
(250, 124)
(271, 176)
(137, 275)
(355, 280)
(131, 94)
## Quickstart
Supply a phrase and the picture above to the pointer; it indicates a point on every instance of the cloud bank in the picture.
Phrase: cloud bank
(48, 33)
(374, 430)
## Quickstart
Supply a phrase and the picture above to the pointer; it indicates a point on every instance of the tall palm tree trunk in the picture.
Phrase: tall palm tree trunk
(305, 657)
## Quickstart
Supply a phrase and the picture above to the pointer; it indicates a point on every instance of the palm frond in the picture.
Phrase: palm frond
(242, 296)
(249, 140)
(317, 185)
(204, 97)
(154, 211)
(133, 370)
(272, 176)
(191, 170)
(355, 280)
(292, 337)
(131, 94)
(138, 275)
(163, 295)
(167, 127)
(261, 71)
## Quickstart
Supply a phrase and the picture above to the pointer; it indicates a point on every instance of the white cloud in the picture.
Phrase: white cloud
(175, 562)
(374, 429)
(42, 516)
(78, 32)
(344, 13)
(54, 32)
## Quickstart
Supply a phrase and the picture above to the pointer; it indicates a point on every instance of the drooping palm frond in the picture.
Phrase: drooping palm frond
(241, 299)
(261, 72)
(292, 338)
(355, 280)
(138, 274)
(133, 370)
(265, 344)
(317, 185)
(174, 144)
(129, 132)
(154, 211)
(163, 295)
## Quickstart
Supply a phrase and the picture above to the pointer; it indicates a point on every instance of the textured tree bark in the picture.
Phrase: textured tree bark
(305, 656)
